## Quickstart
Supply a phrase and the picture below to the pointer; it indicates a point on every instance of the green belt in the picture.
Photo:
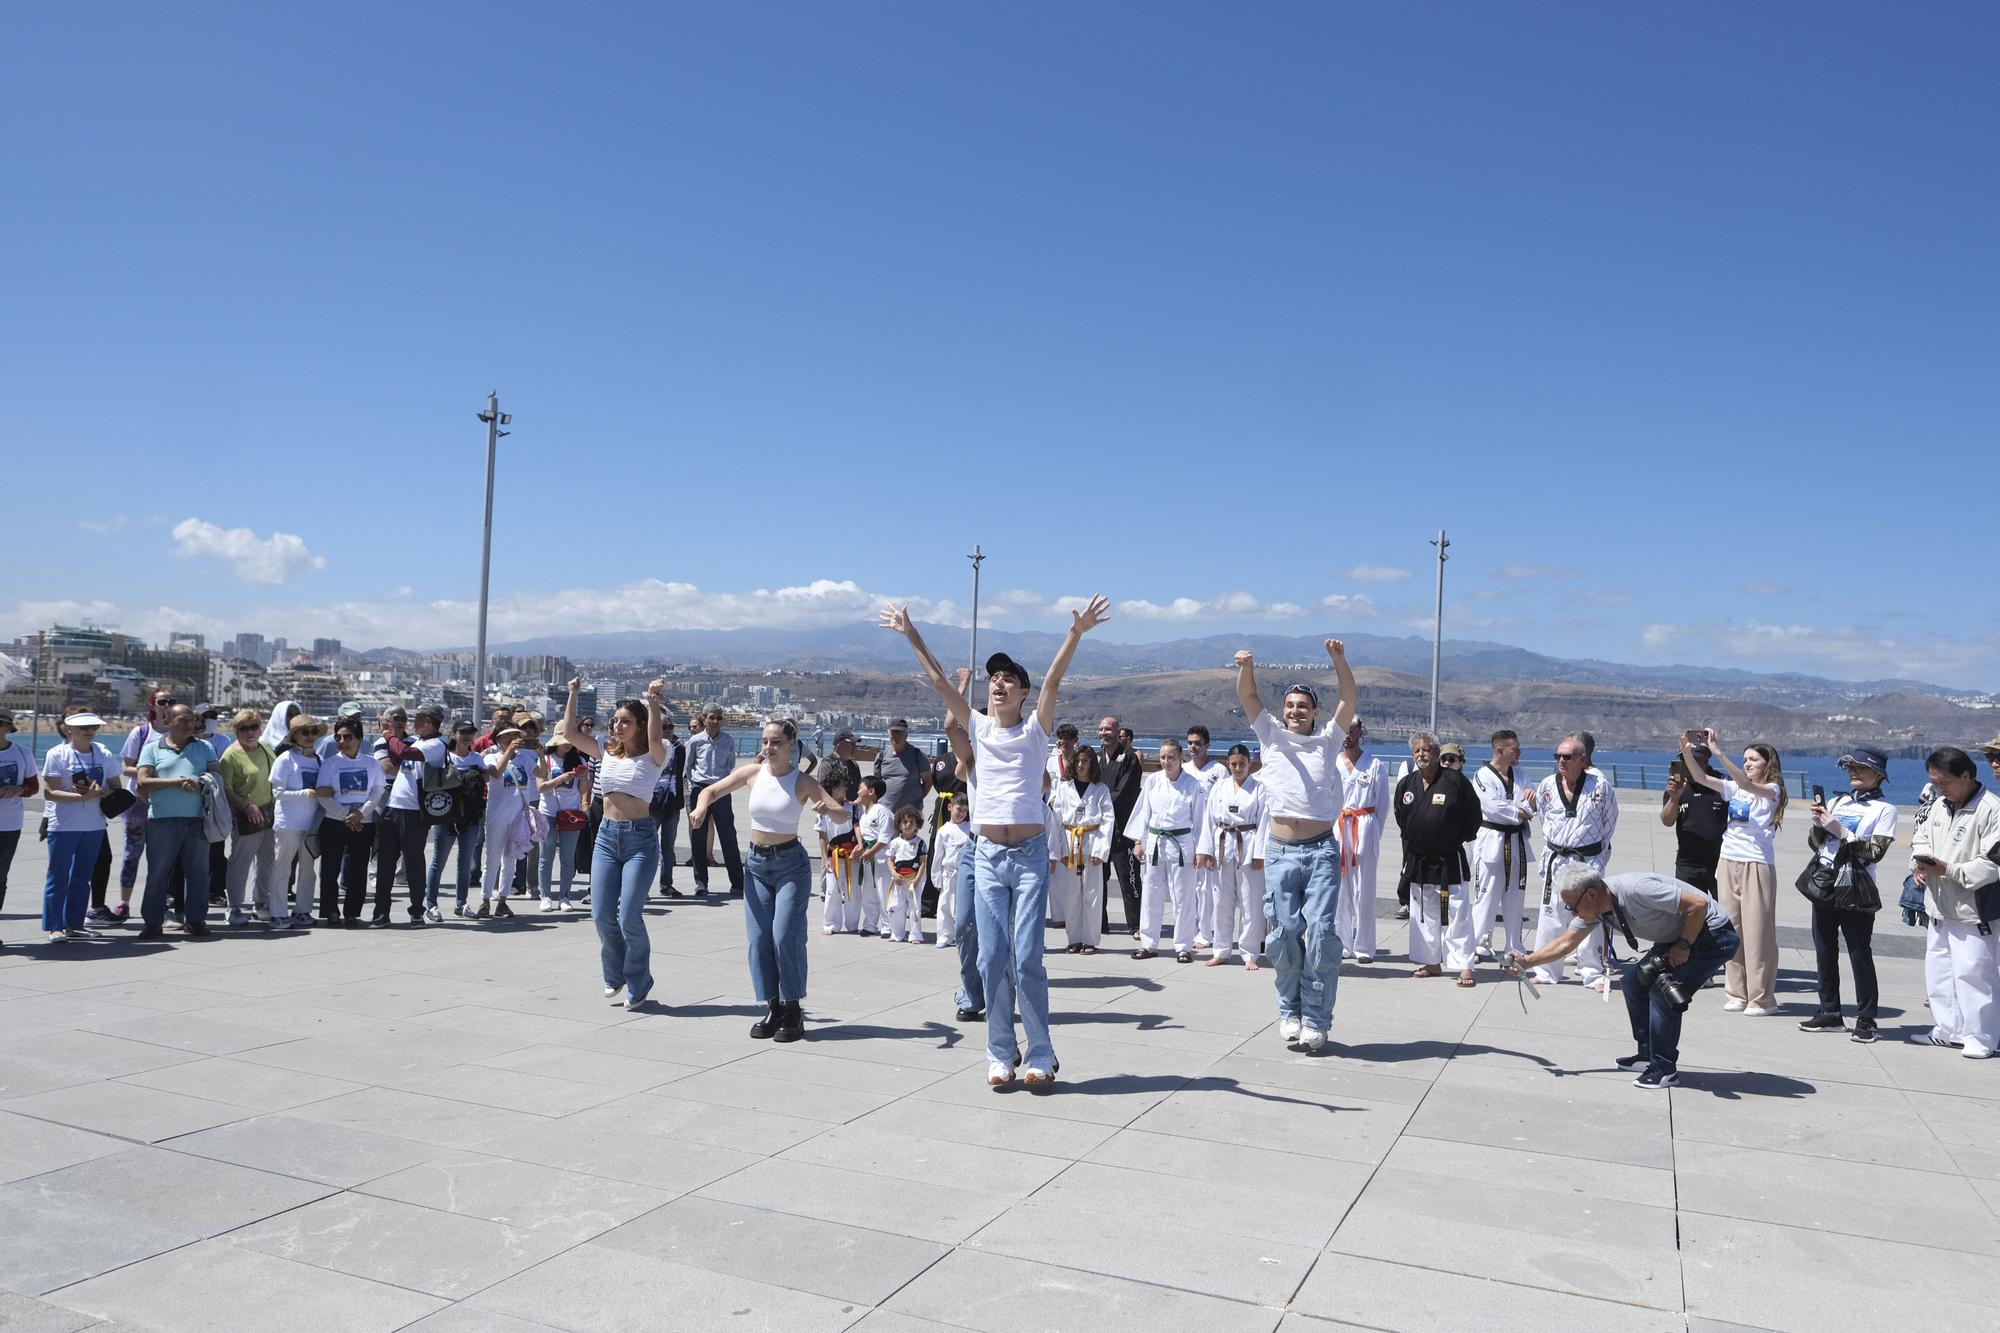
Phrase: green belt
(1173, 835)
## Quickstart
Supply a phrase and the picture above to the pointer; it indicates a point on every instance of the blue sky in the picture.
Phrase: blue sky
(1221, 310)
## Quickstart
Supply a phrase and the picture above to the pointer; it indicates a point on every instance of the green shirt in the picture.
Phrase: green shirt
(247, 773)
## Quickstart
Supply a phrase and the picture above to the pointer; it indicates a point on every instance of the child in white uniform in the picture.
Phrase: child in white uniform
(871, 859)
(903, 913)
(953, 841)
(836, 859)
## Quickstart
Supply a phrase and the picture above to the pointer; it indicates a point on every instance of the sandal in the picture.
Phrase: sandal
(1183, 957)
(1086, 949)
(1141, 955)
(1427, 970)
(1466, 980)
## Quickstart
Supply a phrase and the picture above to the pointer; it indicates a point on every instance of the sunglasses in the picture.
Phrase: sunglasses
(1562, 758)
(249, 726)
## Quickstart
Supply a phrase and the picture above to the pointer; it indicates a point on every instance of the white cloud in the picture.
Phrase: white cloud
(271, 559)
(1849, 651)
(1351, 604)
(1237, 605)
(1373, 574)
(1763, 588)
(105, 527)
(1528, 573)
(1656, 637)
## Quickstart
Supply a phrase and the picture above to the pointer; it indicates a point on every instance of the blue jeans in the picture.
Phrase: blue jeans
(1656, 1026)
(178, 842)
(965, 931)
(1301, 897)
(561, 841)
(66, 890)
(777, 887)
(621, 873)
(468, 844)
(1011, 888)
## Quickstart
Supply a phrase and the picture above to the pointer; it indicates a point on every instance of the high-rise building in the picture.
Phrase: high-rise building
(250, 647)
(325, 650)
(188, 638)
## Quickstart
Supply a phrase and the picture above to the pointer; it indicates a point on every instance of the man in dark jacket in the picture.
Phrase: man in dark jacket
(1437, 812)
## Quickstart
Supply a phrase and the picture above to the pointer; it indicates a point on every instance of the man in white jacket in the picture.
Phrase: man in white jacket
(1955, 855)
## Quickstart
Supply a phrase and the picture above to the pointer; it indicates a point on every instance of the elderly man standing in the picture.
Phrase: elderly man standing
(711, 757)
(170, 770)
(1437, 813)
(1579, 813)
(903, 768)
(1121, 771)
(1955, 855)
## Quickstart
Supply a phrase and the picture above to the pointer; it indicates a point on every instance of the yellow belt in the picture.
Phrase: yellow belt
(842, 857)
(1073, 858)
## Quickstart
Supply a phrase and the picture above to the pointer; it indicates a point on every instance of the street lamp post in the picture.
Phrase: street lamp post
(1437, 629)
(494, 419)
(978, 557)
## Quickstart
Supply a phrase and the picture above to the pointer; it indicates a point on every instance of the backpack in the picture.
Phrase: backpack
(439, 790)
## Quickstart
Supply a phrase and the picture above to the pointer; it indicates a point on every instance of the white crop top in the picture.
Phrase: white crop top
(774, 803)
(630, 776)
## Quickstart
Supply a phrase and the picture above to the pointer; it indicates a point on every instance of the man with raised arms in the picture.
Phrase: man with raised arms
(1010, 850)
(1303, 785)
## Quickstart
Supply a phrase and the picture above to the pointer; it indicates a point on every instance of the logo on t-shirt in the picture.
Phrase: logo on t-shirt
(1739, 808)
(352, 780)
(10, 775)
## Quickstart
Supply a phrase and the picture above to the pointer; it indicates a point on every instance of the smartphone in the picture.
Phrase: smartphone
(1677, 771)
(1819, 794)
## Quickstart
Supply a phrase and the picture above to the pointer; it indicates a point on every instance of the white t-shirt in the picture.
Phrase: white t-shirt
(296, 770)
(1300, 776)
(508, 784)
(1752, 822)
(832, 827)
(952, 840)
(627, 775)
(96, 763)
(354, 782)
(1862, 820)
(407, 794)
(16, 767)
(1009, 761)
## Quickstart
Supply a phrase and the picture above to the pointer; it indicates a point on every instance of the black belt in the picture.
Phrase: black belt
(1510, 835)
(1502, 828)
(1558, 852)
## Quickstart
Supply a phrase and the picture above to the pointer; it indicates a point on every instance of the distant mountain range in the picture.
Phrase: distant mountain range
(866, 647)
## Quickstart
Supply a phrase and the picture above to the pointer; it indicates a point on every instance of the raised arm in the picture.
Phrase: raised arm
(1697, 771)
(1094, 613)
(656, 720)
(1764, 789)
(1246, 685)
(898, 619)
(587, 744)
(1350, 693)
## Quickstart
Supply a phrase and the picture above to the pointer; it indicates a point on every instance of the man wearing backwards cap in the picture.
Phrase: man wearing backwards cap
(1850, 835)
(1011, 850)
(1698, 815)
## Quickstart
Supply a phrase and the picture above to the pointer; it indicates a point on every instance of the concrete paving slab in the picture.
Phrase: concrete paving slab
(20, 1314)
(568, 1206)
(29, 1147)
(924, 1210)
(1001, 1294)
(241, 1083)
(596, 1289)
(145, 1115)
(1376, 1293)
(314, 1150)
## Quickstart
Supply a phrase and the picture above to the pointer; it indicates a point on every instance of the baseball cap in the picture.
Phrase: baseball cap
(1866, 756)
(1452, 748)
(352, 708)
(845, 735)
(1000, 664)
(432, 711)
(900, 724)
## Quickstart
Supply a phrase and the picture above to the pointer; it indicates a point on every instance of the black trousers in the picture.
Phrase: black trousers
(343, 864)
(722, 818)
(1829, 927)
(1699, 877)
(1126, 868)
(666, 812)
(400, 835)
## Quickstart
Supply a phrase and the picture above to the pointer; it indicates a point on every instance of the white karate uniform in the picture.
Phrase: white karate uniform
(1166, 859)
(903, 898)
(1591, 820)
(1500, 859)
(1204, 879)
(1076, 884)
(1364, 807)
(842, 907)
(1239, 885)
(871, 872)
(1437, 937)
(954, 842)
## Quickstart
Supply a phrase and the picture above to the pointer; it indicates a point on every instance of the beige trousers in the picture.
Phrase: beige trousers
(1748, 892)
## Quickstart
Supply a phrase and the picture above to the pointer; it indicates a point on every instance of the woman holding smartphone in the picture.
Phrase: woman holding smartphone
(1748, 878)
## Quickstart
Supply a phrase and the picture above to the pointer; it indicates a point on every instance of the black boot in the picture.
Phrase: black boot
(765, 1026)
(791, 1021)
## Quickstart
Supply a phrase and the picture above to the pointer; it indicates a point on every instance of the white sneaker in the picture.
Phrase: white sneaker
(58, 937)
(999, 1075)
(432, 915)
(1732, 1006)
(610, 991)
(548, 904)
(1038, 1077)
(1972, 1052)
(1313, 1040)
(1288, 1030)
(1757, 1011)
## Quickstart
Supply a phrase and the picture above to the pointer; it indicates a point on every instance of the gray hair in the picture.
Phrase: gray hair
(1578, 878)
(1420, 737)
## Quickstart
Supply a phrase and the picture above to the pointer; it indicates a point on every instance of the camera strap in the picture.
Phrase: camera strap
(1624, 927)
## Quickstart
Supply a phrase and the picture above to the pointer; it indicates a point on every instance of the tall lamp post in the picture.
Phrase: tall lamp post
(494, 419)
(1437, 629)
(978, 557)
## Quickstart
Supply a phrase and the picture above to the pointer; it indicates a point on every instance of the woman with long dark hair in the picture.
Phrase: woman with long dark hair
(627, 851)
(1747, 879)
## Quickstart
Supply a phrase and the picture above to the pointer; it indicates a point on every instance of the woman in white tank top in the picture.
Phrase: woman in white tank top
(777, 883)
(627, 853)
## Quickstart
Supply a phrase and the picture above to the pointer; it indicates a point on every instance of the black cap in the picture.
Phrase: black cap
(900, 724)
(432, 711)
(1000, 664)
(844, 735)
(1867, 756)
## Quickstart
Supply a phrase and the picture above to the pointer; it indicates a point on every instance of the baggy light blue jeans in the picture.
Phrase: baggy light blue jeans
(1301, 897)
(777, 889)
(965, 932)
(621, 872)
(1011, 888)
(561, 843)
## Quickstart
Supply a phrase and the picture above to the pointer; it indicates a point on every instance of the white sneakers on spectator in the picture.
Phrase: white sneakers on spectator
(1313, 1040)
(1732, 1005)
(1288, 1030)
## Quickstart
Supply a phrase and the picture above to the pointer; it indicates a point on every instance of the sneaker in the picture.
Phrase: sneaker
(151, 933)
(239, 919)
(500, 908)
(611, 991)
(1931, 1039)
(120, 912)
(971, 1015)
(1038, 1077)
(300, 922)
(380, 920)
(1823, 1023)
(97, 914)
(634, 1001)
(1759, 1011)
(999, 1075)
(1402, 913)
(671, 892)
(485, 910)
(1864, 1031)
(1636, 1061)
(458, 910)
(1364, 958)
(1288, 1029)
(1654, 1078)
(1972, 1052)
(550, 905)
(1313, 1040)
(58, 937)
(432, 915)
(262, 915)
(1732, 1005)
(198, 929)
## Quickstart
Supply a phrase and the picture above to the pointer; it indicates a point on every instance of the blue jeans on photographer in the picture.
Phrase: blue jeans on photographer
(1301, 904)
(468, 842)
(1656, 1024)
(965, 932)
(1010, 888)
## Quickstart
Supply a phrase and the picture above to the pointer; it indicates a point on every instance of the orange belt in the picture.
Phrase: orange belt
(842, 857)
(1073, 858)
(1350, 835)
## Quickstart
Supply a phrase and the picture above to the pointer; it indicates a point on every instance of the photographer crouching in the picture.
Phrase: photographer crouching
(1691, 938)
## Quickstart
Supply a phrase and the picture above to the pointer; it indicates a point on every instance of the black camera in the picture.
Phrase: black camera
(1655, 973)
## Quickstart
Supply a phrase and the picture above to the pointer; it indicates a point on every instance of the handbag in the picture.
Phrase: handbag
(117, 802)
(571, 821)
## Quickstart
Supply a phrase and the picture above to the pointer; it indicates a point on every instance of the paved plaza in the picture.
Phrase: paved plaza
(448, 1129)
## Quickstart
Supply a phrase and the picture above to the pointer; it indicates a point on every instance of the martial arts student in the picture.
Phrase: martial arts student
(1232, 846)
(842, 911)
(1209, 771)
(874, 828)
(1082, 805)
(1011, 854)
(954, 840)
(1500, 852)
(1437, 812)
(1303, 790)
(1579, 812)
(1163, 830)
(909, 857)
(1364, 811)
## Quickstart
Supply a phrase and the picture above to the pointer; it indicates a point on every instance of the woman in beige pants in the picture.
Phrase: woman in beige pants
(1747, 879)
